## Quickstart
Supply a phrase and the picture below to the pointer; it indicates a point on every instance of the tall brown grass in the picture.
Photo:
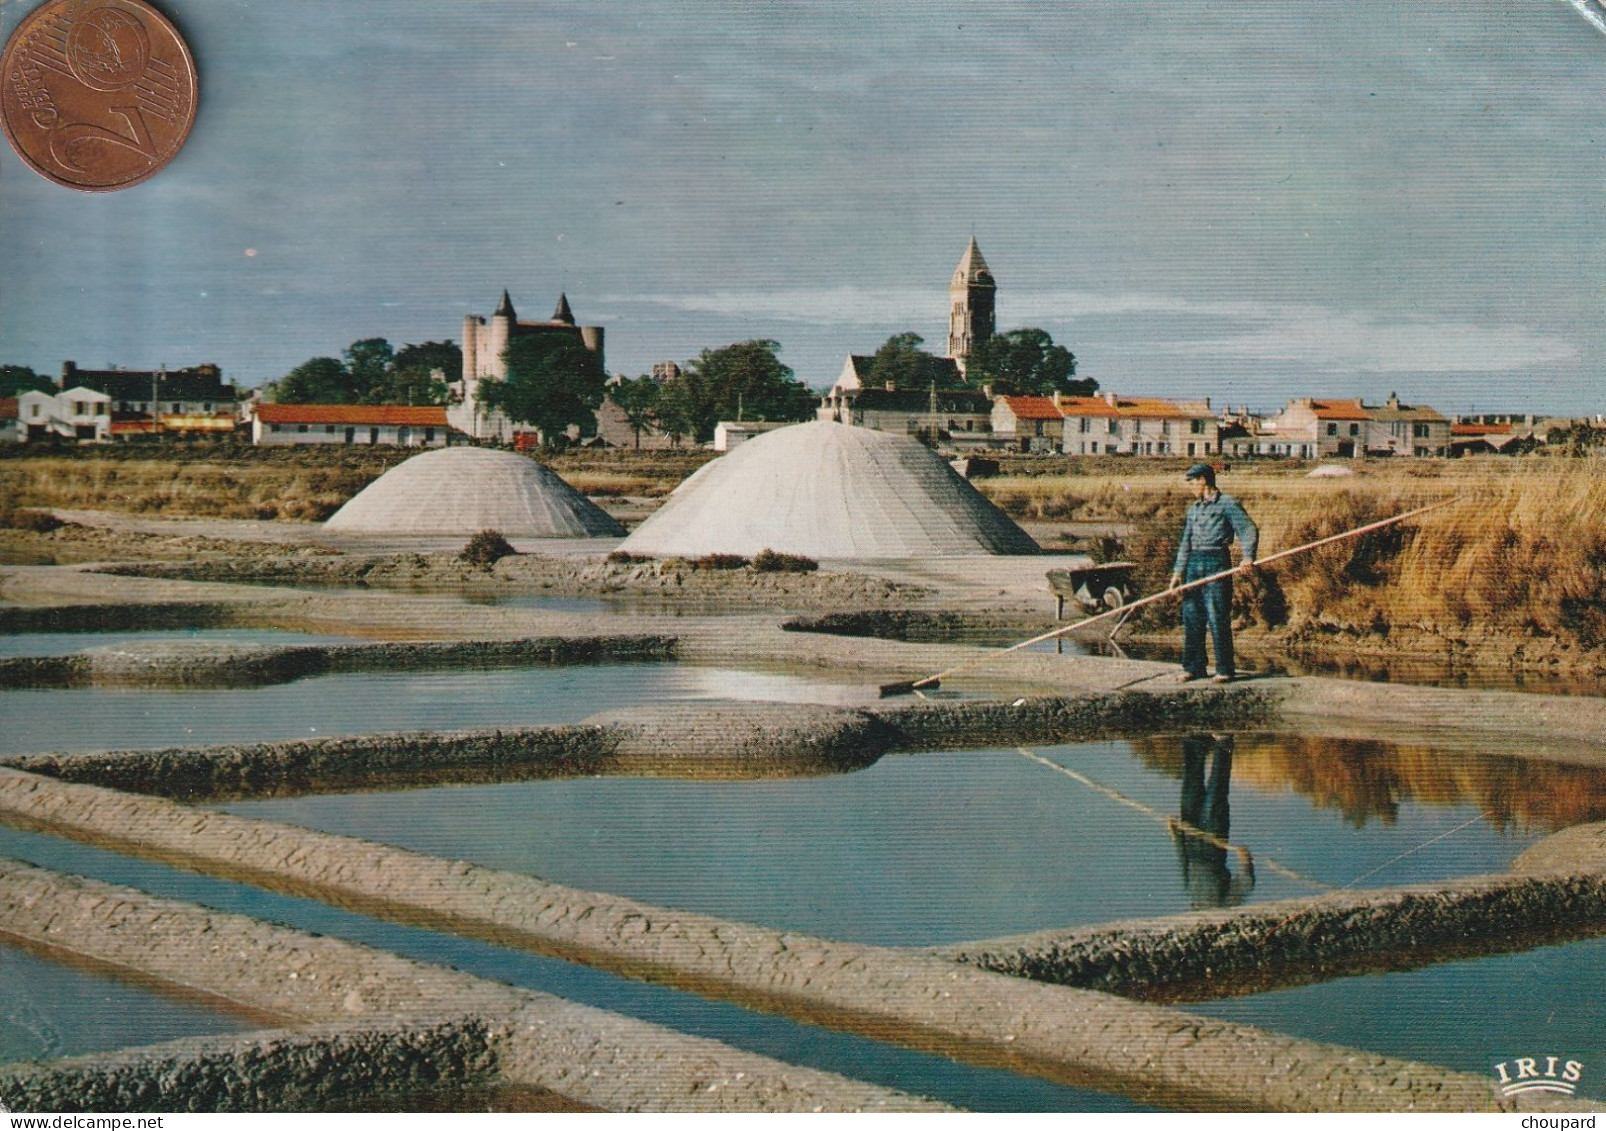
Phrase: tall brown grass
(298, 483)
(198, 488)
(1520, 551)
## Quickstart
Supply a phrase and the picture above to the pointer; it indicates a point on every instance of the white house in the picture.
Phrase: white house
(72, 414)
(1108, 424)
(406, 426)
(729, 434)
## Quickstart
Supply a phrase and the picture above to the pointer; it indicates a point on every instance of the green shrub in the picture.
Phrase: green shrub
(487, 548)
(625, 557)
(770, 561)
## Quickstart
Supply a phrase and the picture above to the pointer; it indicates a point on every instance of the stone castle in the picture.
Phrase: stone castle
(484, 342)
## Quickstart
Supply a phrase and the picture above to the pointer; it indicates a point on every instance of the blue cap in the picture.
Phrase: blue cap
(1200, 471)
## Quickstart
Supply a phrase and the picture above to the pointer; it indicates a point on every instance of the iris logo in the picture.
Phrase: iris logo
(1539, 1074)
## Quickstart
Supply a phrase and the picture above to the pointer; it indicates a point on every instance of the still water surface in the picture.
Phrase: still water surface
(1471, 1015)
(102, 718)
(930, 848)
(66, 643)
(49, 1009)
(977, 1089)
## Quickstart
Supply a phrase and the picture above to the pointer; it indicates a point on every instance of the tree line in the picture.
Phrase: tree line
(1024, 362)
(18, 379)
(372, 371)
(554, 383)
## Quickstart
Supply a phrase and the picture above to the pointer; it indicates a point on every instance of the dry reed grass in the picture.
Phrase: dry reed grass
(618, 484)
(1519, 552)
(300, 484)
(206, 489)
(619, 472)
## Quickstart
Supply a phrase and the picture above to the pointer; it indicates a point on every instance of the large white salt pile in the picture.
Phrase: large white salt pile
(466, 490)
(829, 491)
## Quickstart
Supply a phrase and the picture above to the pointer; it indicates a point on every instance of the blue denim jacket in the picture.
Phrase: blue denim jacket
(1211, 524)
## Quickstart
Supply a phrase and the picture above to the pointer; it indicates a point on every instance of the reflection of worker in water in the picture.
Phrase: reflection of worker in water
(1201, 834)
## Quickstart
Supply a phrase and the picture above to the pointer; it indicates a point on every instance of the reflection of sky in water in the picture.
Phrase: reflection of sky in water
(977, 1089)
(1468, 1015)
(627, 606)
(924, 848)
(50, 1010)
(65, 643)
(97, 718)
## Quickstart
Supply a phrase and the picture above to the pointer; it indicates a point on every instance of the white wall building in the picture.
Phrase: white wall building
(405, 426)
(72, 414)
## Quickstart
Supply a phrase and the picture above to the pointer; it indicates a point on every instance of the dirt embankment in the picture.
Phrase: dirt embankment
(73, 542)
(1467, 650)
(668, 579)
(1461, 648)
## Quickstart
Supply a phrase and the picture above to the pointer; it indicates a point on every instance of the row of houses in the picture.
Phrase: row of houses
(97, 405)
(88, 415)
(116, 404)
(1111, 423)
(101, 405)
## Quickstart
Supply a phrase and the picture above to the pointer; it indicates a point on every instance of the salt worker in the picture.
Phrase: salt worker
(1212, 522)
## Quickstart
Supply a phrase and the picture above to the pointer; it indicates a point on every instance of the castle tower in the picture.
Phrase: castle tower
(485, 343)
(494, 343)
(971, 296)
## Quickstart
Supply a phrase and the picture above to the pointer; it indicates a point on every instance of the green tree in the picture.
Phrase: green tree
(678, 410)
(411, 378)
(743, 381)
(1578, 439)
(16, 379)
(368, 364)
(1025, 362)
(372, 372)
(901, 362)
(445, 356)
(552, 382)
(319, 380)
(637, 398)
(413, 385)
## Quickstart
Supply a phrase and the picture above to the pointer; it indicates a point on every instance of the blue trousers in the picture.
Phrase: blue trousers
(1207, 606)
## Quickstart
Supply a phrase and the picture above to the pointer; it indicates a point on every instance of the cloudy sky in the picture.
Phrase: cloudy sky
(1240, 199)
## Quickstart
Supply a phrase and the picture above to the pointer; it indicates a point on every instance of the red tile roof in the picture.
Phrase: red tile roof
(1086, 406)
(424, 416)
(1148, 408)
(1033, 408)
(1339, 410)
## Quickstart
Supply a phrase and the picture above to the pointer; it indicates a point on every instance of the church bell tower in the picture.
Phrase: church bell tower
(971, 295)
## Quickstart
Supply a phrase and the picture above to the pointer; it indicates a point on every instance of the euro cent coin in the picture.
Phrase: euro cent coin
(96, 94)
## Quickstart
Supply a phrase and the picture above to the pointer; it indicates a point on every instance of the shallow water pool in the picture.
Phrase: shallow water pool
(932, 848)
(978, 1089)
(66, 643)
(49, 1008)
(1467, 1015)
(101, 718)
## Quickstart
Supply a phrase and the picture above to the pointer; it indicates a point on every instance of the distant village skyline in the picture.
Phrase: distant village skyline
(934, 345)
(1341, 201)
